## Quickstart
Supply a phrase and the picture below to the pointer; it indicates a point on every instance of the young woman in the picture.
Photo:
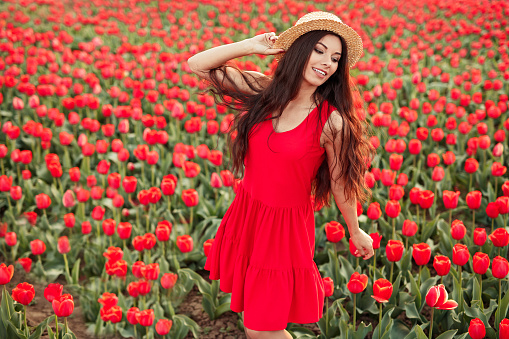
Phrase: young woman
(298, 136)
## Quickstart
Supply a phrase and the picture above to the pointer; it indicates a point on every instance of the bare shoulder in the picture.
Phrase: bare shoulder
(334, 124)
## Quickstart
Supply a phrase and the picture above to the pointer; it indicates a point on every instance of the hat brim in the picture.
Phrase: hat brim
(352, 39)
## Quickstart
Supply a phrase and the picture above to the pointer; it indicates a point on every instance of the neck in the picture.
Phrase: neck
(305, 95)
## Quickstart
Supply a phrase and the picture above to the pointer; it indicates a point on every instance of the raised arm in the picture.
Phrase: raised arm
(203, 62)
(360, 239)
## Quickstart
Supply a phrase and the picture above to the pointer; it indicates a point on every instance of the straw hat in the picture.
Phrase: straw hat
(321, 21)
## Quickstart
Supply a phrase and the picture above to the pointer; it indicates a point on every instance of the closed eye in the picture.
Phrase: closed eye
(320, 52)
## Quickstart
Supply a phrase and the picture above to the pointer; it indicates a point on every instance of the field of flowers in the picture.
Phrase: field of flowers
(115, 177)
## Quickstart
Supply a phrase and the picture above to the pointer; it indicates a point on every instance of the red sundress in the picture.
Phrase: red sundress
(264, 247)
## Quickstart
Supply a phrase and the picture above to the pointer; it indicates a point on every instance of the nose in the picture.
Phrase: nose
(326, 61)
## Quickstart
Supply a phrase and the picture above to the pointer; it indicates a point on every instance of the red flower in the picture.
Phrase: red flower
(37, 247)
(395, 161)
(396, 192)
(26, 263)
(334, 231)
(113, 314)
(503, 204)
(184, 243)
(108, 300)
(129, 184)
(328, 284)
(145, 317)
(63, 245)
(42, 200)
(481, 262)
(504, 329)
(63, 306)
(124, 230)
(476, 329)
(415, 195)
(394, 250)
(421, 253)
(492, 210)
(460, 254)
(357, 283)
(474, 200)
(497, 169)
(471, 165)
(190, 197)
(163, 326)
(427, 198)
(23, 293)
(480, 236)
(409, 228)
(450, 199)
(393, 208)
(6, 273)
(374, 211)
(53, 291)
(382, 290)
(168, 280)
(437, 297)
(500, 267)
(163, 230)
(113, 253)
(499, 237)
(442, 265)
(377, 238)
(458, 230)
(131, 314)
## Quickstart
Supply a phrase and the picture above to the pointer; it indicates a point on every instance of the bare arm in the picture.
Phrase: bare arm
(360, 239)
(203, 62)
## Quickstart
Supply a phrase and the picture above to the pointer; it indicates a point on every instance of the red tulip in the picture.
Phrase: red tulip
(357, 283)
(190, 197)
(11, 238)
(382, 290)
(63, 245)
(421, 253)
(163, 326)
(108, 299)
(53, 291)
(184, 243)
(23, 293)
(393, 208)
(6, 273)
(415, 195)
(395, 161)
(334, 231)
(124, 230)
(492, 210)
(108, 226)
(113, 314)
(374, 211)
(480, 236)
(442, 265)
(63, 306)
(168, 280)
(458, 230)
(409, 228)
(377, 238)
(497, 169)
(129, 184)
(450, 199)
(474, 200)
(503, 329)
(500, 267)
(163, 230)
(460, 254)
(113, 253)
(328, 284)
(394, 250)
(26, 263)
(396, 192)
(437, 297)
(427, 198)
(42, 200)
(481, 262)
(145, 317)
(151, 271)
(476, 330)
(499, 237)
(98, 213)
(37, 247)
(131, 314)
(503, 204)
(471, 165)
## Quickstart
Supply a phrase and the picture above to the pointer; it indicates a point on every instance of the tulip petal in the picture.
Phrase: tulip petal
(448, 305)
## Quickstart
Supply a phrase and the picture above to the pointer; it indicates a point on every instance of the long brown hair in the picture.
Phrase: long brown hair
(283, 88)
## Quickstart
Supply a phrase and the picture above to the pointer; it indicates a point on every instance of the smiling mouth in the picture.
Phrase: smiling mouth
(319, 71)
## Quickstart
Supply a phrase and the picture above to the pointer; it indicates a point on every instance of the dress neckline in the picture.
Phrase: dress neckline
(296, 127)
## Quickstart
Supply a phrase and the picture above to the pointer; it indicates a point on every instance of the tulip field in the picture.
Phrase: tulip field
(115, 170)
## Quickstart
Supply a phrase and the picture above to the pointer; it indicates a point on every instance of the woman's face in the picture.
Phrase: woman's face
(324, 60)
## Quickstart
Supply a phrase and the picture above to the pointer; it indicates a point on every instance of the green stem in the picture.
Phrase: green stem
(56, 326)
(431, 325)
(354, 311)
(394, 228)
(67, 268)
(392, 269)
(25, 318)
(460, 273)
(380, 322)
(65, 324)
(480, 292)
(327, 317)
(419, 279)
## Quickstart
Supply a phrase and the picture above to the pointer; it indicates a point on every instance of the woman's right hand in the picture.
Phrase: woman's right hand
(264, 43)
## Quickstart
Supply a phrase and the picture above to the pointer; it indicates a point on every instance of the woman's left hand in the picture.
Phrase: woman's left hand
(363, 243)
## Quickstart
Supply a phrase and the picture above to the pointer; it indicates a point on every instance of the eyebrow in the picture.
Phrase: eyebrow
(327, 48)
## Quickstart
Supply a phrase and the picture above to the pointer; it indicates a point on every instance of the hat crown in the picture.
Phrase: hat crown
(318, 16)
